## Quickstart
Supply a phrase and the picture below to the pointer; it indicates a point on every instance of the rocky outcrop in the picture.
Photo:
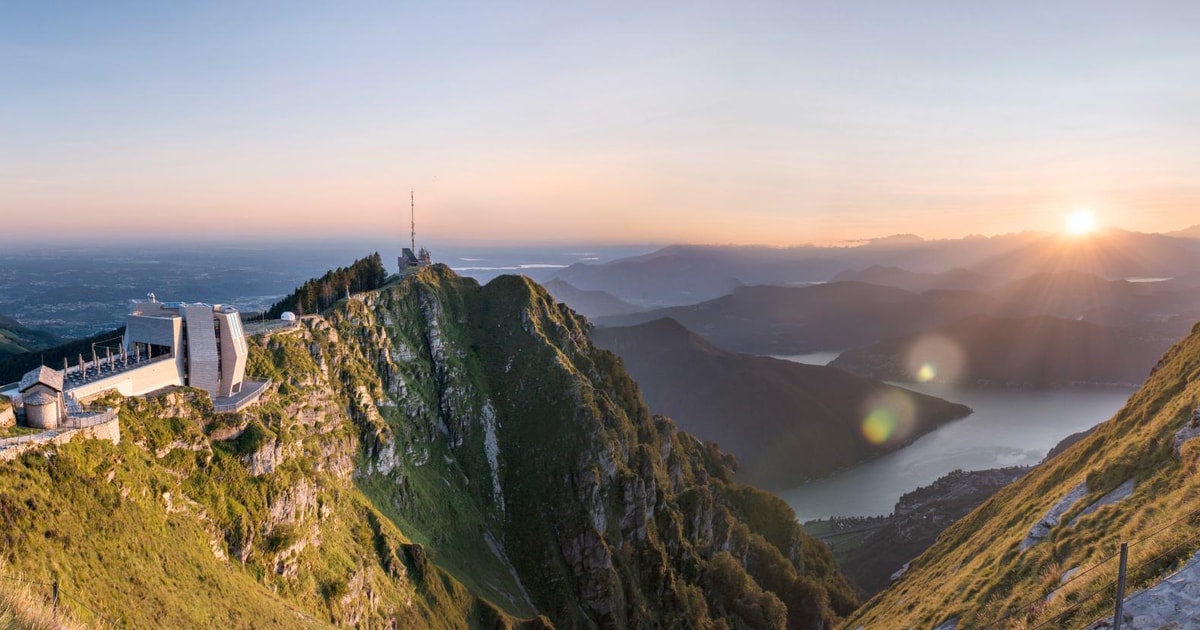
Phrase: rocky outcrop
(1171, 603)
(1186, 433)
(1116, 495)
(1053, 516)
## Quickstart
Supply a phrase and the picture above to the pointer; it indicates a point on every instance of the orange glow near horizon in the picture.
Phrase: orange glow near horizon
(1081, 222)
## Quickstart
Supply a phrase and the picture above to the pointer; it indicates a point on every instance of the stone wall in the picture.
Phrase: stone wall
(12, 448)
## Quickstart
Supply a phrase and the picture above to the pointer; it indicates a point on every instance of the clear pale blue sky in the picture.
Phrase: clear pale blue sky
(777, 122)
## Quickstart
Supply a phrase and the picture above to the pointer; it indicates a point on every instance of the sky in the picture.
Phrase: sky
(705, 122)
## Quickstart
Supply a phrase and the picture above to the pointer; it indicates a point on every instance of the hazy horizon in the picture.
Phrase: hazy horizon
(391, 244)
(772, 123)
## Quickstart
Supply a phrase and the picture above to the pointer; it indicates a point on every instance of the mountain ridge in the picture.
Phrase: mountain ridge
(434, 453)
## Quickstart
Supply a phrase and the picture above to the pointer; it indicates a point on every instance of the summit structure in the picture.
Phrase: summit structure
(411, 259)
(166, 344)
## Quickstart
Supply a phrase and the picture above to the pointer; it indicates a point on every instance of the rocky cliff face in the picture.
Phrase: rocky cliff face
(433, 454)
(568, 498)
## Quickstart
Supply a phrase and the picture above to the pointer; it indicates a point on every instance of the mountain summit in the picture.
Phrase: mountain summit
(435, 453)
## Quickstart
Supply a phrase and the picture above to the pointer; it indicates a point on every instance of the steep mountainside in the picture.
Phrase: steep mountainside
(1034, 351)
(15, 338)
(434, 453)
(784, 421)
(1041, 551)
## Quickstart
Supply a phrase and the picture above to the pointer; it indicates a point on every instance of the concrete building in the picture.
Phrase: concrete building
(207, 344)
(166, 344)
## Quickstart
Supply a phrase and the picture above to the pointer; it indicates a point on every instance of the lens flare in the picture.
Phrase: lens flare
(927, 372)
(889, 417)
(935, 358)
(878, 426)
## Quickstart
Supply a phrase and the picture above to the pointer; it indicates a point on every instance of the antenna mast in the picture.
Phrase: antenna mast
(412, 200)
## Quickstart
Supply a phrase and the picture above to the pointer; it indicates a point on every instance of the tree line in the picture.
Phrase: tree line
(365, 274)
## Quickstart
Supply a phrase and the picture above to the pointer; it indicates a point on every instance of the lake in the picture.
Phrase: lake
(812, 358)
(1010, 427)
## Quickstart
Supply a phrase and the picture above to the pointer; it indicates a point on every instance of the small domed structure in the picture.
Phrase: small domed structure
(41, 411)
(41, 396)
(288, 316)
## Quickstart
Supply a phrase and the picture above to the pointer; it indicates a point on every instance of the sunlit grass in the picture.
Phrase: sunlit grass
(976, 573)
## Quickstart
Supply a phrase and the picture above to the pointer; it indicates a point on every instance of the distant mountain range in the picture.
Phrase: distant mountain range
(1190, 232)
(687, 274)
(784, 421)
(842, 315)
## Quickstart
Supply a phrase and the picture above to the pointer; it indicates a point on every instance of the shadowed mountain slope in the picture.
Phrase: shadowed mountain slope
(784, 421)
(834, 316)
(1034, 351)
(590, 304)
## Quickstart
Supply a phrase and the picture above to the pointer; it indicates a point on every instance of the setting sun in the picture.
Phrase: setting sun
(1081, 222)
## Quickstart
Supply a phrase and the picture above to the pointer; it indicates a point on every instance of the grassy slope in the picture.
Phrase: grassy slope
(25, 606)
(145, 521)
(976, 573)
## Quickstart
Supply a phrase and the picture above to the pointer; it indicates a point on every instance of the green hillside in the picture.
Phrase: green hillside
(432, 454)
(980, 573)
(16, 338)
